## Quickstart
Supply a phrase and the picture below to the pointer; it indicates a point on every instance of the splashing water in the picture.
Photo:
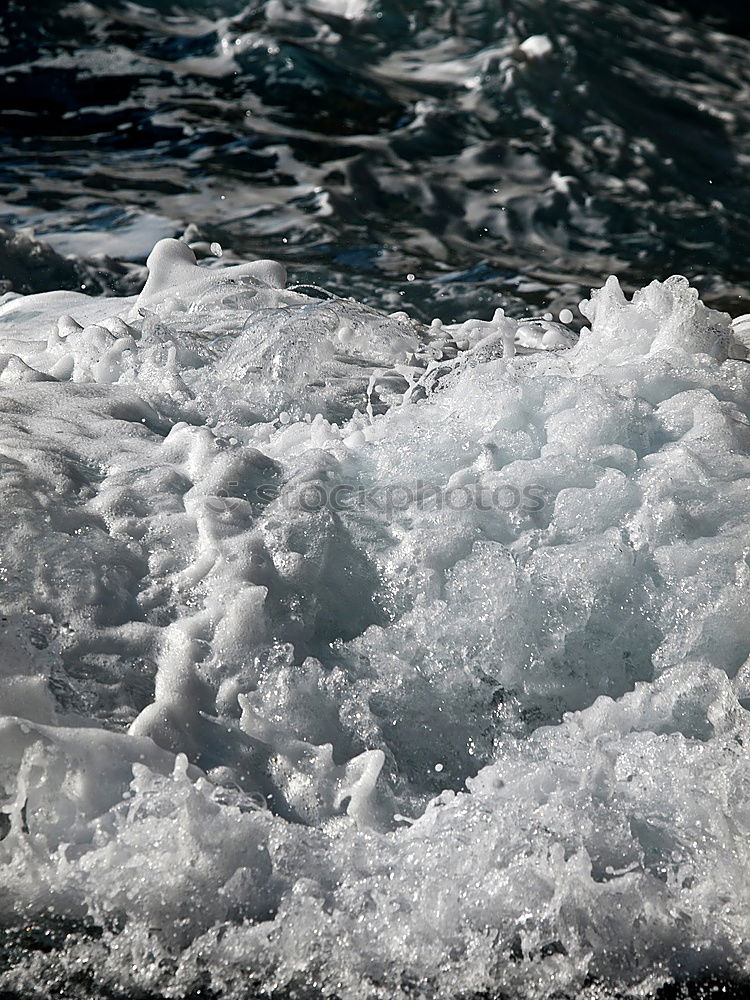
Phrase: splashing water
(349, 655)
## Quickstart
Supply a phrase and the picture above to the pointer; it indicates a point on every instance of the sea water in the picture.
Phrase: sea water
(519, 150)
(345, 655)
(377, 629)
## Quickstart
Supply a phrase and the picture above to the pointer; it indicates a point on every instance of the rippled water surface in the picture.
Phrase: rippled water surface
(364, 141)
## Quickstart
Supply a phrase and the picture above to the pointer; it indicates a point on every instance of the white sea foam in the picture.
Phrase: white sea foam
(341, 651)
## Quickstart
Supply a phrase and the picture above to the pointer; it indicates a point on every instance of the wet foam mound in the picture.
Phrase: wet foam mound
(350, 655)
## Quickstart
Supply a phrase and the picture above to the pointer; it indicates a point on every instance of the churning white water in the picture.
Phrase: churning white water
(347, 654)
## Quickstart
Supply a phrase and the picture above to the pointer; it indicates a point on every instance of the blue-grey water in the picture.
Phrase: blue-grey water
(363, 141)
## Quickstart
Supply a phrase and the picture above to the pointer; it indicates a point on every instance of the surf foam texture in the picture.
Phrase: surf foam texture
(349, 655)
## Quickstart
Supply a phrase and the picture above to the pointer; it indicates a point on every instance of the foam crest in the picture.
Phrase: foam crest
(341, 650)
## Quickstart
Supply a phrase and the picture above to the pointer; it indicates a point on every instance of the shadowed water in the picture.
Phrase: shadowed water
(364, 141)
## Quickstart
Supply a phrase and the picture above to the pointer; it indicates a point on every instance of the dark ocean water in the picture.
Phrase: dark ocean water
(365, 141)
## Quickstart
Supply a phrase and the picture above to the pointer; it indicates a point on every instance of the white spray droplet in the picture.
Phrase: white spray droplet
(216, 249)
(566, 316)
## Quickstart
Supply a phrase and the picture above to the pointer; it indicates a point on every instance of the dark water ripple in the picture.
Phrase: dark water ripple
(400, 139)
